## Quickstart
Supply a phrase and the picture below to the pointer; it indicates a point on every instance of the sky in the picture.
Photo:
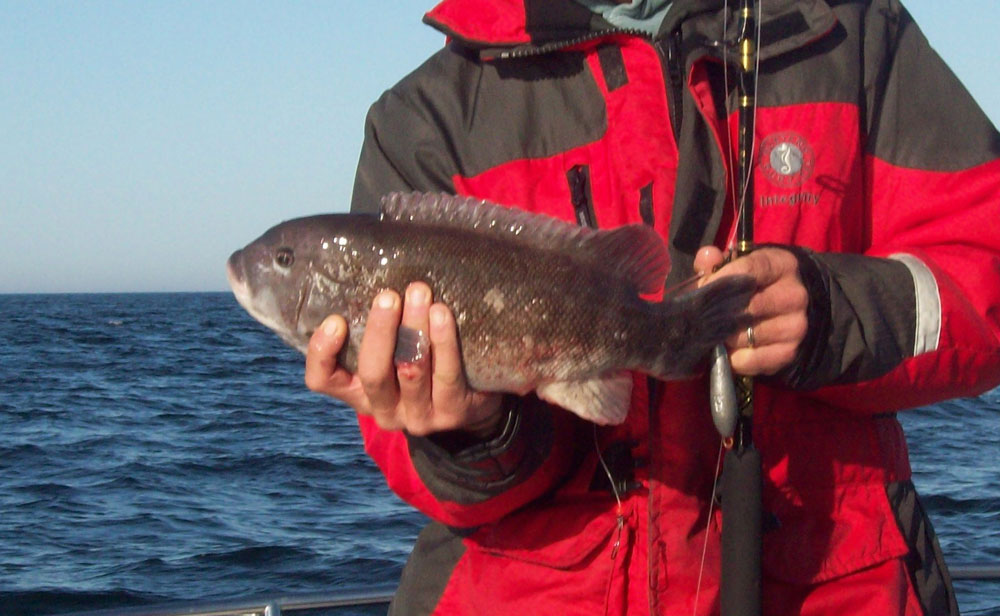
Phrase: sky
(142, 142)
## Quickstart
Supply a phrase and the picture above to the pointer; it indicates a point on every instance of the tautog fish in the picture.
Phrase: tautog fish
(540, 304)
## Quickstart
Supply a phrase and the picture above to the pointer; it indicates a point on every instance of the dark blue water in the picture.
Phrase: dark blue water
(157, 447)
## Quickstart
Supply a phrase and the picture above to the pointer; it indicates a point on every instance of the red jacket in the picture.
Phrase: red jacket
(869, 155)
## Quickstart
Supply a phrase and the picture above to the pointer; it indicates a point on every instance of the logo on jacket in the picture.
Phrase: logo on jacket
(786, 159)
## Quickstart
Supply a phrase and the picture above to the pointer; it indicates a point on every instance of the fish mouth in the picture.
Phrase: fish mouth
(257, 306)
(264, 306)
(237, 278)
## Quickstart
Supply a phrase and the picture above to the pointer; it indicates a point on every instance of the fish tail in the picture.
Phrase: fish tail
(694, 322)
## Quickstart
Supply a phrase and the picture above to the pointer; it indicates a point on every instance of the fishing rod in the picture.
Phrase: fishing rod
(732, 398)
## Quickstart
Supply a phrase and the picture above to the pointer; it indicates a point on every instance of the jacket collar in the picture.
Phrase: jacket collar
(491, 24)
(785, 25)
(500, 23)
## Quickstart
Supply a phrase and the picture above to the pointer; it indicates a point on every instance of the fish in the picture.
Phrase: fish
(540, 305)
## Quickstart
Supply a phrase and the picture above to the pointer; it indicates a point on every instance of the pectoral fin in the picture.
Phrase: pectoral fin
(603, 400)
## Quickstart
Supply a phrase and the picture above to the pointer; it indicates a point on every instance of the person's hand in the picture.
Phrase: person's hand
(426, 396)
(778, 307)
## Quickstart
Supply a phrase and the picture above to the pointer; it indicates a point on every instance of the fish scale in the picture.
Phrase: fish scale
(557, 325)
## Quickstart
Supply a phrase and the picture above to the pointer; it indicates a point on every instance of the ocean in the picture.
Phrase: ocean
(160, 447)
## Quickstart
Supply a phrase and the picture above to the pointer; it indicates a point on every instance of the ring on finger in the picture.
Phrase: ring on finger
(751, 343)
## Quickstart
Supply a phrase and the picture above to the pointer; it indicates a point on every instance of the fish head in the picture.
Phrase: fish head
(293, 276)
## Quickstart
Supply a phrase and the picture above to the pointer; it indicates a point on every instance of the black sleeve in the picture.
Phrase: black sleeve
(466, 471)
(402, 151)
(861, 319)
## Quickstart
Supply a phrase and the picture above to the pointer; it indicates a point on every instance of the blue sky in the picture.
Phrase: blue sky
(142, 142)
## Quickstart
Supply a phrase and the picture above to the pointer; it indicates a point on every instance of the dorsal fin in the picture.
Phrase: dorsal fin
(634, 252)
(480, 216)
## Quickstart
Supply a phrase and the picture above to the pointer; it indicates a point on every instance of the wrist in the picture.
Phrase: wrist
(495, 426)
(813, 347)
(490, 426)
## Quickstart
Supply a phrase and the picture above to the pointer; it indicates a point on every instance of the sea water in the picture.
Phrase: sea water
(159, 447)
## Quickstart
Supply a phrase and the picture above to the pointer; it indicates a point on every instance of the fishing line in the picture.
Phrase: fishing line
(731, 181)
(708, 525)
(614, 490)
(738, 212)
(730, 241)
(607, 471)
(753, 140)
(680, 286)
(730, 155)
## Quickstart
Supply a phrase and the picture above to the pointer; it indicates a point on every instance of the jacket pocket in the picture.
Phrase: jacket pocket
(547, 559)
(559, 536)
(824, 534)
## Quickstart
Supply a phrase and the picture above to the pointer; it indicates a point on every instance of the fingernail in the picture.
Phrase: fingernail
(386, 300)
(416, 295)
(331, 326)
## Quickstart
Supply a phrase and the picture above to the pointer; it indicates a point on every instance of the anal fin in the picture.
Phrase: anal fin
(603, 400)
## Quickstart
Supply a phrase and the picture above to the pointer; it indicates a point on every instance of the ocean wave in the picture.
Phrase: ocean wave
(262, 464)
(943, 504)
(55, 601)
(14, 454)
(271, 360)
(253, 556)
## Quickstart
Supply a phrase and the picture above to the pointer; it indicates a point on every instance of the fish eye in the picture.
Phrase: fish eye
(284, 256)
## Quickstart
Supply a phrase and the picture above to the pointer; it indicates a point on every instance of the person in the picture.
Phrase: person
(876, 207)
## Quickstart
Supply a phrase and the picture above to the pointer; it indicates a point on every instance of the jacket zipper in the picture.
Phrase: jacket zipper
(578, 178)
(526, 51)
(670, 50)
